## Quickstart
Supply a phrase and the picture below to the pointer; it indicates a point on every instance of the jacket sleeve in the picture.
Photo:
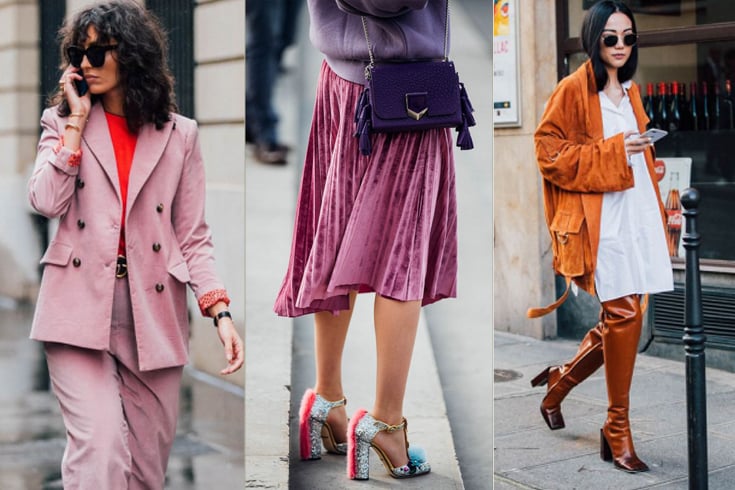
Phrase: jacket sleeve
(52, 183)
(190, 227)
(568, 157)
(380, 8)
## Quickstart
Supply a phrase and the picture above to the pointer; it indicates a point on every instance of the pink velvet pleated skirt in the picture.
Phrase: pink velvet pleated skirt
(386, 222)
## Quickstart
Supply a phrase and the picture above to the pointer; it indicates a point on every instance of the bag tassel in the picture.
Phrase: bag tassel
(363, 123)
(366, 146)
(361, 102)
(464, 138)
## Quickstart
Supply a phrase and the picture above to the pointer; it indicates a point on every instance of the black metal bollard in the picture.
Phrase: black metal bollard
(694, 347)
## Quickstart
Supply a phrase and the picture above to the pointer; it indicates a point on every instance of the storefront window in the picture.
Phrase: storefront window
(660, 14)
(686, 73)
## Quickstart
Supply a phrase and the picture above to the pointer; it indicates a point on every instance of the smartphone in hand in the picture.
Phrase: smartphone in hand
(81, 86)
(654, 134)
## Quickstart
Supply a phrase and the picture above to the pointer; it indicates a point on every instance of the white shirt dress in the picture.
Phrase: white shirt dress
(633, 256)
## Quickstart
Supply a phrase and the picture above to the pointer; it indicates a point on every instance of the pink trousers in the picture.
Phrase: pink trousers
(120, 422)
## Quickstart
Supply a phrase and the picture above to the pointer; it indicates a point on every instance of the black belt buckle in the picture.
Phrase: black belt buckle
(122, 267)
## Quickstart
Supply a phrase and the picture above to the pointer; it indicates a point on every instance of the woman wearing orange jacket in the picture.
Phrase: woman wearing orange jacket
(605, 217)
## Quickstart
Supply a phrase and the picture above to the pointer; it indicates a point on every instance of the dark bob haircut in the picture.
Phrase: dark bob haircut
(592, 27)
(146, 81)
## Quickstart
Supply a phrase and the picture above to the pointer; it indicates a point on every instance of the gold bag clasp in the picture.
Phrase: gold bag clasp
(417, 105)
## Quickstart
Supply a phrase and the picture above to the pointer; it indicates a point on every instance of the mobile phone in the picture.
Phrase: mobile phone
(654, 134)
(81, 86)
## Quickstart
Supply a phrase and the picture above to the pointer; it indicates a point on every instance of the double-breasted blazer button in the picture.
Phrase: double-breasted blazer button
(159, 288)
(159, 208)
(156, 247)
(76, 262)
(81, 224)
(80, 183)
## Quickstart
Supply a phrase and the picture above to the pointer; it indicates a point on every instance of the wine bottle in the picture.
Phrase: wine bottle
(728, 106)
(686, 115)
(661, 121)
(716, 114)
(704, 123)
(674, 216)
(648, 104)
(674, 120)
(693, 106)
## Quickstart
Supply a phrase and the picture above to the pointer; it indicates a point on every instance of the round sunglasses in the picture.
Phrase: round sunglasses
(95, 54)
(612, 40)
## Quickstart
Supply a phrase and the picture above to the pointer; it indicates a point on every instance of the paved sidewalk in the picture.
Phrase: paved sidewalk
(529, 455)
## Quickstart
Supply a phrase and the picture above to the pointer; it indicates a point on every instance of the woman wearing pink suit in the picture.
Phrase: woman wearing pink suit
(124, 174)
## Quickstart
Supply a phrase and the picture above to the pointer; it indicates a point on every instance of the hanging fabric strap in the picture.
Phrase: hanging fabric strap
(545, 310)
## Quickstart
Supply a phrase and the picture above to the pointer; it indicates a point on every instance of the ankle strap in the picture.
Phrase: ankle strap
(382, 426)
(336, 403)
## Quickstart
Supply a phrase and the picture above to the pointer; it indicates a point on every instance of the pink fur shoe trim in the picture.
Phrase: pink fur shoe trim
(352, 443)
(307, 402)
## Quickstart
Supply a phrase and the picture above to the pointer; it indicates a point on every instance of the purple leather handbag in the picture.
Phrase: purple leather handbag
(412, 96)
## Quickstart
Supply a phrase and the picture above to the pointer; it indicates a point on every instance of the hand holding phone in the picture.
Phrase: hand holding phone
(81, 86)
(638, 143)
(654, 134)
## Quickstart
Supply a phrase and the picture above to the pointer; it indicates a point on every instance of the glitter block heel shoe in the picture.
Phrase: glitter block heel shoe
(361, 433)
(313, 426)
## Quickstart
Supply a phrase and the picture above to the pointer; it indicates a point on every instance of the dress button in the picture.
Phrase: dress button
(76, 262)
(81, 224)
(159, 287)
(159, 208)
(156, 247)
(80, 183)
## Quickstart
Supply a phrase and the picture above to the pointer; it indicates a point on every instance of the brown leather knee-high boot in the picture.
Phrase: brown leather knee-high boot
(561, 379)
(623, 320)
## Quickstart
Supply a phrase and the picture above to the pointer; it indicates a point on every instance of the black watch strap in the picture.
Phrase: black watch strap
(220, 315)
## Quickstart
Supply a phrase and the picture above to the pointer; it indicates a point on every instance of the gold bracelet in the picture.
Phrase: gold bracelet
(77, 114)
(73, 126)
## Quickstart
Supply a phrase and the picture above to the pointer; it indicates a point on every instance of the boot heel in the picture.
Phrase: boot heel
(541, 378)
(358, 457)
(605, 451)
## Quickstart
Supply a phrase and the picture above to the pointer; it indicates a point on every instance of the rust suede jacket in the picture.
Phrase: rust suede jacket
(578, 166)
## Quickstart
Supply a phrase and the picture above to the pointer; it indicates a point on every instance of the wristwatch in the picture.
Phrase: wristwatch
(220, 315)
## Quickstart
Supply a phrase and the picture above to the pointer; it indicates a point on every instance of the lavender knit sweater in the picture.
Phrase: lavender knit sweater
(398, 29)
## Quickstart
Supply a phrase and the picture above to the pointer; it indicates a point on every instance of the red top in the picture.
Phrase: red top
(123, 142)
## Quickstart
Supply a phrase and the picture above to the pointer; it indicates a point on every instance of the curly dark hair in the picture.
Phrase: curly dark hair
(142, 52)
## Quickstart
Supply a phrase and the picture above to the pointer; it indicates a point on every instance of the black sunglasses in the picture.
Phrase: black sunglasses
(95, 54)
(612, 40)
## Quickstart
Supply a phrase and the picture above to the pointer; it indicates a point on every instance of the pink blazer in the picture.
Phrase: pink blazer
(167, 239)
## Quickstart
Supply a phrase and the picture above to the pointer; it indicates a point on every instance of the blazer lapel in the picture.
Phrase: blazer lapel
(97, 139)
(148, 150)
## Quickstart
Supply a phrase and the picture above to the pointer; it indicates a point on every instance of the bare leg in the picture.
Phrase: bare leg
(330, 332)
(396, 323)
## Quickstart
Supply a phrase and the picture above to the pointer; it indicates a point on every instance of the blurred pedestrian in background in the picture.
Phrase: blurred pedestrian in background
(124, 174)
(271, 26)
(289, 28)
